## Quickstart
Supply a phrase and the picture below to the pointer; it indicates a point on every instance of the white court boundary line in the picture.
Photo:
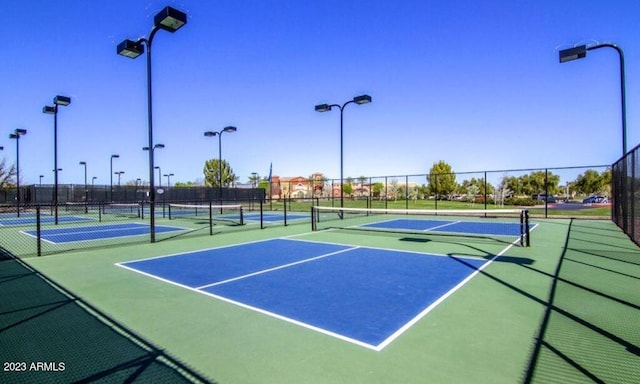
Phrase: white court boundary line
(103, 230)
(376, 348)
(276, 268)
(442, 298)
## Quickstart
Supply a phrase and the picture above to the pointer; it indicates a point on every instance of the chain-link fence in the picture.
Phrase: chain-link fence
(626, 194)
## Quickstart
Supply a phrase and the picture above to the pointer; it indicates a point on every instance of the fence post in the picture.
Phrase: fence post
(38, 231)
(210, 218)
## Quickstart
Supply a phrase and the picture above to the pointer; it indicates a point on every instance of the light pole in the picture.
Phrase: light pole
(254, 177)
(93, 184)
(169, 179)
(362, 99)
(86, 187)
(53, 110)
(111, 176)
(119, 173)
(171, 20)
(228, 129)
(157, 146)
(159, 176)
(41, 176)
(16, 135)
(581, 52)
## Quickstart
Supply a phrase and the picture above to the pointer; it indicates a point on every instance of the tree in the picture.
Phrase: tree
(502, 191)
(254, 179)
(180, 184)
(592, 182)
(347, 187)
(377, 189)
(392, 189)
(534, 183)
(6, 175)
(513, 183)
(212, 171)
(441, 179)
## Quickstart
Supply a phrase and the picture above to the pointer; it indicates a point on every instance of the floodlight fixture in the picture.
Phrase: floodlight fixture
(130, 48)
(574, 53)
(323, 107)
(62, 100)
(362, 99)
(170, 19)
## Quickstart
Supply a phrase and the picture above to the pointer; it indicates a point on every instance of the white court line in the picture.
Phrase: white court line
(275, 268)
(376, 348)
(442, 298)
(442, 226)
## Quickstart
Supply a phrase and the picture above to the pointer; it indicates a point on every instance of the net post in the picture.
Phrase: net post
(522, 228)
(141, 207)
(169, 211)
(261, 221)
(241, 216)
(38, 231)
(313, 219)
(100, 208)
(210, 218)
(285, 211)
(526, 227)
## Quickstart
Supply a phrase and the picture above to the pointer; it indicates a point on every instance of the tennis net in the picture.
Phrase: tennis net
(505, 224)
(230, 214)
(133, 210)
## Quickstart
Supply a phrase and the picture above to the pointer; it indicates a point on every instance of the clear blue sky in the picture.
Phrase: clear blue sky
(474, 83)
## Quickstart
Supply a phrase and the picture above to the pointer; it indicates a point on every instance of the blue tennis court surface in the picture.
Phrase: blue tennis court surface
(30, 219)
(366, 296)
(451, 226)
(98, 232)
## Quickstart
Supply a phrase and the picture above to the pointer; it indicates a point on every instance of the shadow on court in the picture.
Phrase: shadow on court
(589, 331)
(49, 335)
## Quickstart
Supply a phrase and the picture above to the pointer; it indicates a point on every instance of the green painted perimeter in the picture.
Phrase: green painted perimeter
(484, 333)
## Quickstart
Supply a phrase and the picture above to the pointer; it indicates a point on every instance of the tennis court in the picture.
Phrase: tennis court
(350, 303)
(29, 219)
(321, 286)
(98, 232)
(450, 226)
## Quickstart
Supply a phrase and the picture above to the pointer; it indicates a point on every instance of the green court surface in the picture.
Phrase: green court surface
(565, 309)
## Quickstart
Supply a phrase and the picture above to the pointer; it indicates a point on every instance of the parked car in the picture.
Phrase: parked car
(544, 197)
(595, 199)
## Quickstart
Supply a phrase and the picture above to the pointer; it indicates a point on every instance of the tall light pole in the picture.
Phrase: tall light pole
(581, 52)
(16, 135)
(86, 187)
(228, 129)
(119, 173)
(362, 99)
(41, 176)
(159, 175)
(157, 146)
(111, 176)
(168, 175)
(171, 20)
(53, 110)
